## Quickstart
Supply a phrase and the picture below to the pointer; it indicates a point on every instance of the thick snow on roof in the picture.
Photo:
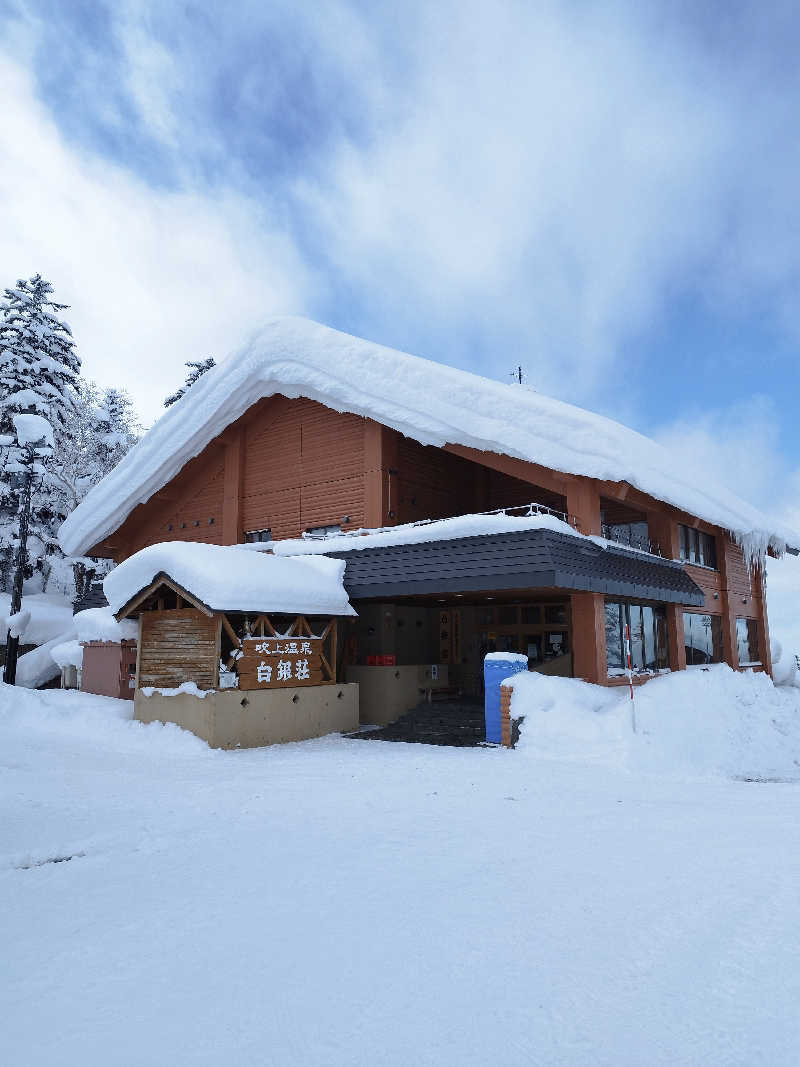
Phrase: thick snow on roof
(429, 402)
(227, 579)
(414, 533)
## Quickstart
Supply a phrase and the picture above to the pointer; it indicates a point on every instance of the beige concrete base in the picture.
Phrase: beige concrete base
(385, 693)
(233, 718)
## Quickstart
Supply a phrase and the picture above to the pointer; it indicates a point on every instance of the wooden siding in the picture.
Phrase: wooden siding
(303, 467)
(178, 646)
(434, 484)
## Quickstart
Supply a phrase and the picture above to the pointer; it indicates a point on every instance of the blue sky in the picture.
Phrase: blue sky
(606, 194)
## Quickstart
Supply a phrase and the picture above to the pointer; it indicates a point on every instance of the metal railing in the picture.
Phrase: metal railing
(517, 511)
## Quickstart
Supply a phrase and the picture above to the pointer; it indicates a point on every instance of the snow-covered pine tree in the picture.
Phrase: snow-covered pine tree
(103, 428)
(197, 369)
(39, 371)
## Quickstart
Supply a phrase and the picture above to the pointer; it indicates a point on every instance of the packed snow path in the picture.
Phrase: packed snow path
(335, 902)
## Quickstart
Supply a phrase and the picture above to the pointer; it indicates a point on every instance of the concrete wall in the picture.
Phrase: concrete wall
(232, 718)
(385, 693)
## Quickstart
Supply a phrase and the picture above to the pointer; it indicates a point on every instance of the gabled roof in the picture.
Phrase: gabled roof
(228, 579)
(429, 402)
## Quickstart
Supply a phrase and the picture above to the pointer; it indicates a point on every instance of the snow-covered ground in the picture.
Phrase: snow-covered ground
(351, 902)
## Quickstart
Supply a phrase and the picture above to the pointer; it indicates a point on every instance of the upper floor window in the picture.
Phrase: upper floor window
(624, 524)
(252, 537)
(697, 547)
(747, 642)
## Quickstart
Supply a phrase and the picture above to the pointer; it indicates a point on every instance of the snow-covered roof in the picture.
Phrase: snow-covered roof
(227, 579)
(414, 533)
(426, 401)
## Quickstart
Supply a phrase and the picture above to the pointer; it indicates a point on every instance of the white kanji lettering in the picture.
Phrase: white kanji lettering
(291, 648)
(301, 669)
(284, 670)
(264, 672)
(305, 647)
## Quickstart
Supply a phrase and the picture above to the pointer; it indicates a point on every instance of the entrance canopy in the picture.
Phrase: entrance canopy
(519, 560)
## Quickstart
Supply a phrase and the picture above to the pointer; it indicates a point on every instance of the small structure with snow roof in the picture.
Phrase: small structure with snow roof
(239, 648)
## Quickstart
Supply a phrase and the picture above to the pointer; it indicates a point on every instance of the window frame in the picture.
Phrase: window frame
(695, 547)
(716, 639)
(654, 633)
(258, 537)
(753, 642)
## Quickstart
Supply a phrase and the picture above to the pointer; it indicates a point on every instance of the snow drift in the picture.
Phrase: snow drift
(701, 721)
(426, 401)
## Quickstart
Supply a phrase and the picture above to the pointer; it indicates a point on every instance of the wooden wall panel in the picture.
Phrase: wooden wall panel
(738, 576)
(190, 512)
(303, 466)
(506, 491)
(277, 510)
(710, 582)
(176, 647)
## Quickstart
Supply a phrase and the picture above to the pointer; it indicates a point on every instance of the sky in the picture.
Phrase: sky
(605, 194)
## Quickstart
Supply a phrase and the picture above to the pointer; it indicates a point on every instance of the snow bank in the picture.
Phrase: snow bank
(228, 579)
(700, 721)
(99, 624)
(50, 615)
(37, 667)
(429, 402)
(67, 653)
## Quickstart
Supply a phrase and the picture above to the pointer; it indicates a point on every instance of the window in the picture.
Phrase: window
(702, 636)
(555, 613)
(747, 642)
(323, 531)
(697, 547)
(253, 537)
(633, 534)
(648, 636)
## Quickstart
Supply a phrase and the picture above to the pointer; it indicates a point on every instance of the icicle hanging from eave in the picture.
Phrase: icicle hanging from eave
(755, 546)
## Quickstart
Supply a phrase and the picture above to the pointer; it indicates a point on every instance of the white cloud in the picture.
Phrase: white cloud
(154, 277)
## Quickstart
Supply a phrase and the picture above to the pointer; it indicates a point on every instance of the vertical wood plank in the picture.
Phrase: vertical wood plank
(232, 491)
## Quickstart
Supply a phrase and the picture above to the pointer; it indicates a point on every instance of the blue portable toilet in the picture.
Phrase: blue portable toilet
(497, 666)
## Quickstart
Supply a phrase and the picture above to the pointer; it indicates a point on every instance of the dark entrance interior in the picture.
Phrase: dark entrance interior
(419, 660)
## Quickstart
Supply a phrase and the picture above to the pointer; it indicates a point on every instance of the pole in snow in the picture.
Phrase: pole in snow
(630, 673)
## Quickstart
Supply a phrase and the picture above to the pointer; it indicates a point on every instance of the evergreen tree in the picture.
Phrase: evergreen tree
(39, 373)
(197, 369)
(104, 427)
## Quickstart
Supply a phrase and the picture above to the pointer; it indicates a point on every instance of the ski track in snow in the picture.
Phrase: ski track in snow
(338, 902)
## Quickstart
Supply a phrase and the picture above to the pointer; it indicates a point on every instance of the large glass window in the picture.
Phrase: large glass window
(747, 642)
(697, 547)
(648, 636)
(702, 636)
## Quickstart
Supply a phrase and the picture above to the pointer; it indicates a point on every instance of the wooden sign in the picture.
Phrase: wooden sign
(280, 662)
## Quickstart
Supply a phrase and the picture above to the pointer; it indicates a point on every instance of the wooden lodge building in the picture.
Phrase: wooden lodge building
(309, 435)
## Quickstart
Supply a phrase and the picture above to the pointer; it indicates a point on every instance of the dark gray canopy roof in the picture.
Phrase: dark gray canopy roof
(527, 559)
